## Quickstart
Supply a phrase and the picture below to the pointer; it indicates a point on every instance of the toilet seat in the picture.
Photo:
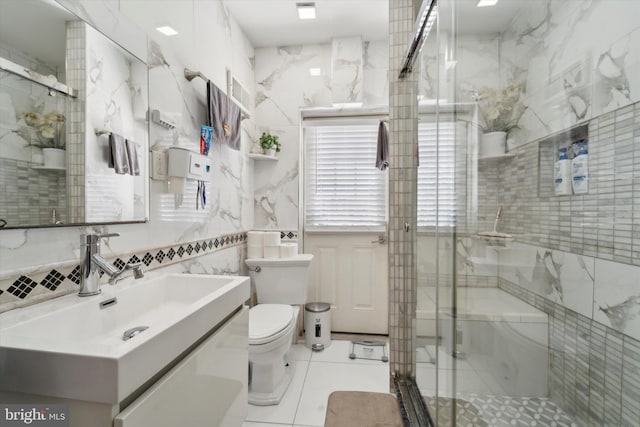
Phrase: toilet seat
(268, 322)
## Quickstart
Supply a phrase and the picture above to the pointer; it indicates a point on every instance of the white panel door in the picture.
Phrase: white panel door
(349, 270)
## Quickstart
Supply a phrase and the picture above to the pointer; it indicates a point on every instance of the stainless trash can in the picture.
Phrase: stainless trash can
(317, 325)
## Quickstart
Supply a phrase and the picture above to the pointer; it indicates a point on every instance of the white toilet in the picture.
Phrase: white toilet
(281, 288)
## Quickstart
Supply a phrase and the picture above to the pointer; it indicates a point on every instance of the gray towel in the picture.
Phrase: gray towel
(118, 157)
(382, 155)
(132, 154)
(224, 117)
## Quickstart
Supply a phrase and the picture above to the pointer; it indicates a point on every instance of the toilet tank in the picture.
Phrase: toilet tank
(280, 280)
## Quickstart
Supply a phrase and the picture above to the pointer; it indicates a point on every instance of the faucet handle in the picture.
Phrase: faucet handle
(103, 235)
(92, 239)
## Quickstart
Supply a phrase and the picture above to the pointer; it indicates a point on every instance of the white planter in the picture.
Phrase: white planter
(54, 158)
(270, 152)
(36, 156)
(492, 144)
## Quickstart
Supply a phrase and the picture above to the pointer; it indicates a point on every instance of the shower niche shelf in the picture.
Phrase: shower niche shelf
(498, 157)
(49, 168)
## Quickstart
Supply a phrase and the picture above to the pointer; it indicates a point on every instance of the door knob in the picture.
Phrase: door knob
(382, 239)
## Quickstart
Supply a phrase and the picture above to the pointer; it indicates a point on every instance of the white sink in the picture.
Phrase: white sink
(71, 347)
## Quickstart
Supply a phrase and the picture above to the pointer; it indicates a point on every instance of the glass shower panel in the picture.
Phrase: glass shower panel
(527, 302)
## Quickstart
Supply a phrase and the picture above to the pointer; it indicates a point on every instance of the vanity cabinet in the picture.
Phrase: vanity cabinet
(207, 388)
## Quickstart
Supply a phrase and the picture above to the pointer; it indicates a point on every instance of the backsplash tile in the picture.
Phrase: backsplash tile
(62, 280)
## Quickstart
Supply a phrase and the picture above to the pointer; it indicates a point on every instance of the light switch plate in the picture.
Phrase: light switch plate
(159, 165)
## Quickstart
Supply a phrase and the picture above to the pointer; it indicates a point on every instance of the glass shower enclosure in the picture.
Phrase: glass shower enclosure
(528, 306)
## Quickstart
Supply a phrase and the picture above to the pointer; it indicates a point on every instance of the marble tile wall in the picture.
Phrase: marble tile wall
(33, 252)
(594, 370)
(579, 229)
(346, 69)
(284, 86)
(116, 101)
(570, 72)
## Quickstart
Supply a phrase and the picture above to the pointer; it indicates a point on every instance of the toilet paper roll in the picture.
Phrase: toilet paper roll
(272, 251)
(255, 251)
(288, 250)
(271, 238)
(255, 238)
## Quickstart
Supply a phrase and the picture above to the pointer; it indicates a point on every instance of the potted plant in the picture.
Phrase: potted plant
(46, 132)
(269, 144)
(500, 111)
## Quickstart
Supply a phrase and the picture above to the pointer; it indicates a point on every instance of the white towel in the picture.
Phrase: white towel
(382, 155)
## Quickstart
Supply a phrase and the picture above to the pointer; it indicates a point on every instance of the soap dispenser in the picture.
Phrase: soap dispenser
(563, 173)
(580, 169)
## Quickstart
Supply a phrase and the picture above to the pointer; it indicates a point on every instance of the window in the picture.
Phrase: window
(343, 188)
(436, 173)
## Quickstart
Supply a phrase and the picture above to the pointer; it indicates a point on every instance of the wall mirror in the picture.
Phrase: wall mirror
(65, 89)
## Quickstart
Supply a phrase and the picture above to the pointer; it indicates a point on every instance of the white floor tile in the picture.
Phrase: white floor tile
(300, 352)
(285, 411)
(326, 377)
(252, 424)
(339, 352)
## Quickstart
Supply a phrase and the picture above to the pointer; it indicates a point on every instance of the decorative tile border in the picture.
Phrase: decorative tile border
(594, 370)
(289, 235)
(29, 289)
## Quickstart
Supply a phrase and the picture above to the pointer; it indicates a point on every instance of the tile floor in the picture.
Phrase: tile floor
(317, 375)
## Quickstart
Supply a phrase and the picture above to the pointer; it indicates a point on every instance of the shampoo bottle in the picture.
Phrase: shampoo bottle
(580, 169)
(563, 174)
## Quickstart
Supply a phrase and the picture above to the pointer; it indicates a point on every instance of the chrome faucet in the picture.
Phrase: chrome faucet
(91, 263)
(136, 267)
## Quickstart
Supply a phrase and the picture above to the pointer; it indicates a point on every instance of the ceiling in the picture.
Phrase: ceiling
(269, 23)
(37, 27)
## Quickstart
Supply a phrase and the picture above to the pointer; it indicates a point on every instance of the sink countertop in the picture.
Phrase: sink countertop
(70, 347)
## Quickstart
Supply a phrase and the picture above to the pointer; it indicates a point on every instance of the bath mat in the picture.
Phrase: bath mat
(362, 409)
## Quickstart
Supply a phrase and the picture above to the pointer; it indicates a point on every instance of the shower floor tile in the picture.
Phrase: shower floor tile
(499, 411)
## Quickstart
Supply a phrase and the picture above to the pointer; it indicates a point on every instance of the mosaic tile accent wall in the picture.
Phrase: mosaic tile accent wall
(29, 195)
(403, 133)
(594, 370)
(603, 223)
(76, 78)
(28, 289)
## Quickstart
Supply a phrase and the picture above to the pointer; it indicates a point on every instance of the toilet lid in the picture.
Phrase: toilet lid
(266, 320)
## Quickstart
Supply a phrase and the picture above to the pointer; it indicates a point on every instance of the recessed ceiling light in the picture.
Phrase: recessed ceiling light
(167, 30)
(484, 3)
(315, 72)
(306, 10)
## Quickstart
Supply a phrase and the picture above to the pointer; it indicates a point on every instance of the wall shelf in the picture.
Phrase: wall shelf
(49, 168)
(256, 156)
(498, 157)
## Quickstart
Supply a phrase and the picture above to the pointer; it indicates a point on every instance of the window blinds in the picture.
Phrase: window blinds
(342, 186)
(436, 174)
